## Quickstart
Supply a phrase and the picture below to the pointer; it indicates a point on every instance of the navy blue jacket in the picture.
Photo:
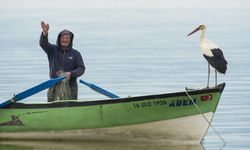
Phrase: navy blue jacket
(59, 60)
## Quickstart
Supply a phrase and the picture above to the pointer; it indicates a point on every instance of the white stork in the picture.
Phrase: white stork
(212, 53)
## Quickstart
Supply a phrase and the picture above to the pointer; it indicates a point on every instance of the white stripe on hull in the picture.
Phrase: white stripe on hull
(184, 130)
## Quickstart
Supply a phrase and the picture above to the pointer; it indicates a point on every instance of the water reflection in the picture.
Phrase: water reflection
(91, 145)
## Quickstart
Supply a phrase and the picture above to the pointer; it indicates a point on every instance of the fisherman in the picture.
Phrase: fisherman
(63, 60)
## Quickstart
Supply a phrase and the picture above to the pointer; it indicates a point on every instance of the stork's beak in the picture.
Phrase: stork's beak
(195, 30)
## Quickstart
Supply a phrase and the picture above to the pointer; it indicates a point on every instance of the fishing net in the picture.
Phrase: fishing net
(60, 91)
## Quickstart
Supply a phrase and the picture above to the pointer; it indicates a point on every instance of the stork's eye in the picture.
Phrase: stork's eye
(202, 27)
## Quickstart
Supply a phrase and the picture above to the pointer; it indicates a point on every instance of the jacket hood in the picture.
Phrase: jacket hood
(63, 32)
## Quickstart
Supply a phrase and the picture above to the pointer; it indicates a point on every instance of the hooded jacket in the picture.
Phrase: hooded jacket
(59, 60)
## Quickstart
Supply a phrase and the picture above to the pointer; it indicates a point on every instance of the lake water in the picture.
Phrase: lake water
(133, 47)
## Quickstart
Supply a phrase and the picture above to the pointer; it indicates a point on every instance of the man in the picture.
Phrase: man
(63, 60)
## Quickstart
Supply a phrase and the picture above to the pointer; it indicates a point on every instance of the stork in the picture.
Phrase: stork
(212, 53)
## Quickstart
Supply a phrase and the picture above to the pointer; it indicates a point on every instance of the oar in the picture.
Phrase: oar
(31, 91)
(99, 90)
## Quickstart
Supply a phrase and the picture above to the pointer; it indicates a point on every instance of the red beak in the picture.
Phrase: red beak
(195, 30)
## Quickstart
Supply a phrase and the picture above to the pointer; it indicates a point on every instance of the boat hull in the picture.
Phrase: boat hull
(183, 131)
(161, 118)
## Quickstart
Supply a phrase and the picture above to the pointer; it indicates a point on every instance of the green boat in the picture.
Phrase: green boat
(167, 118)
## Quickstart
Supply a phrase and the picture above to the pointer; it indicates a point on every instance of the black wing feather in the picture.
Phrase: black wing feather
(218, 60)
(218, 54)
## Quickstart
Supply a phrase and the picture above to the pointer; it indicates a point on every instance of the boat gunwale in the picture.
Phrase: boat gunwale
(73, 103)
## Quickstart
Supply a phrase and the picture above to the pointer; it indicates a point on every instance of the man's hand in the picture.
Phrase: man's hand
(45, 28)
(68, 75)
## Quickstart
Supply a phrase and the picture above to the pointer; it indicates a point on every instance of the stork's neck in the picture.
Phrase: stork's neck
(202, 37)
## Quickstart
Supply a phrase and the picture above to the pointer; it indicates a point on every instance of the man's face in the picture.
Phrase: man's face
(65, 40)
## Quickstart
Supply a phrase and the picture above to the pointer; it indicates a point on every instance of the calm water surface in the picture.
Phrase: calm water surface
(133, 47)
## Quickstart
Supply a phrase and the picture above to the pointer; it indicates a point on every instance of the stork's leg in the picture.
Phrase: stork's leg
(208, 76)
(215, 77)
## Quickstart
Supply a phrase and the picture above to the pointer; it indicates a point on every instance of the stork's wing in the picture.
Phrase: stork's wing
(218, 54)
